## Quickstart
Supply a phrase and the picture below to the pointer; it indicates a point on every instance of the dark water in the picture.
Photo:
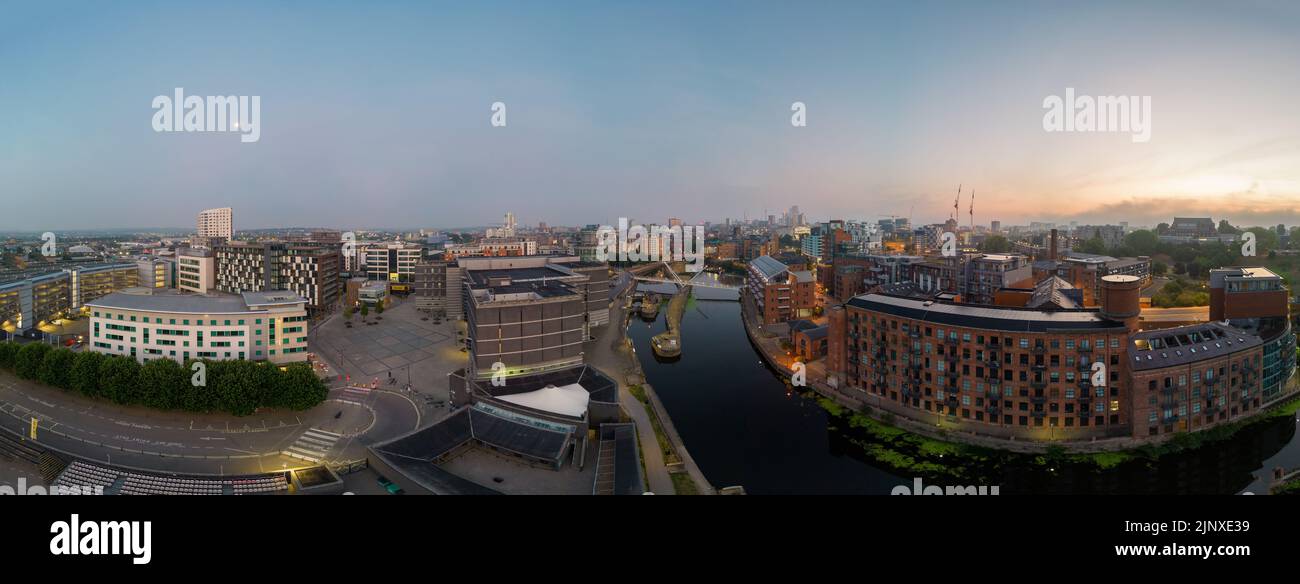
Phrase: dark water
(744, 428)
(736, 418)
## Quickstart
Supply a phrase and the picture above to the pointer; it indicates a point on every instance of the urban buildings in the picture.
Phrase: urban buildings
(156, 272)
(196, 270)
(1194, 230)
(26, 304)
(1050, 373)
(307, 269)
(531, 314)
(779, 293)
(216, 223)
(391, 261)
(148, 323)
(438, 288)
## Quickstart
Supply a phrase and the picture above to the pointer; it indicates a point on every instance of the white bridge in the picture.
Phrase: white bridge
(700, 280)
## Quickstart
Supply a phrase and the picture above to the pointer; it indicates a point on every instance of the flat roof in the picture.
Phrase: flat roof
(152, 300)
(998, 318)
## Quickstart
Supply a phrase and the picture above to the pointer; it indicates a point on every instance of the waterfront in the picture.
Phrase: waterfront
(744, 427)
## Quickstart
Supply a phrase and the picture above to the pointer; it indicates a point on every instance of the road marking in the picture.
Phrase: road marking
(313, 445)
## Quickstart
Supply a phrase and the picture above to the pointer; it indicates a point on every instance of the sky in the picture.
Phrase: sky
(378, 114)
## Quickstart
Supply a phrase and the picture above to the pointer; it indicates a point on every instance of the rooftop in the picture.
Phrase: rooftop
(166, 300)
(1183, 345)
(985, 317)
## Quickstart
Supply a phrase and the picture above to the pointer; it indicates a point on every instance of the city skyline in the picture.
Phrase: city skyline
(386, 120)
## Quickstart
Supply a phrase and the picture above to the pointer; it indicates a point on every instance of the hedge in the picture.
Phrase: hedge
(235, 387)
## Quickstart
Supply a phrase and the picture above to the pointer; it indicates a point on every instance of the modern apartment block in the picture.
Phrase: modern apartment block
(779, 293)
(391, 261)
(438, 288)
(147, 324)
(1053, 374)
(307, 269)
(214, 223)
(25, 304)
(196, 270)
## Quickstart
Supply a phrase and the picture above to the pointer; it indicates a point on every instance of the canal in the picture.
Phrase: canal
(745, 427)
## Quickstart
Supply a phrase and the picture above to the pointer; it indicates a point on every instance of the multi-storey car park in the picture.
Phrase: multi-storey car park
(1067, 374)
(149, 324)
(26, 303)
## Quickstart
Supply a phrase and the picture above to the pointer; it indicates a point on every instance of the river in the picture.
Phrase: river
(743, 427)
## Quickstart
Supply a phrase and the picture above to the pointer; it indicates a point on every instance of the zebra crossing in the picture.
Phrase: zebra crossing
(313, 445)
(356, 391)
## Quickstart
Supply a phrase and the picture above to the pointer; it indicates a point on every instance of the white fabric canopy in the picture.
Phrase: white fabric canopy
(570, 400)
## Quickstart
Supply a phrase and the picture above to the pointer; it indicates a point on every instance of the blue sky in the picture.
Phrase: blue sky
(377, 114)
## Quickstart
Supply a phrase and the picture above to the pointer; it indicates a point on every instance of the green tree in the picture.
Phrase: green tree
(1225, 227)
(365, 310)
(1159, 268)
(379, 307)
(1094, 245)
(8, 355)
(84, 377)
(301, 388)
(119, 379)
(163, 384)
(56, 368)
(30, 358)
(1142, 242)
(1266, 240)
(995, 244)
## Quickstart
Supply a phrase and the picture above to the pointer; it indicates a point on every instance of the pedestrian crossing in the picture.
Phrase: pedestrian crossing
(313, 445)
(356, 391)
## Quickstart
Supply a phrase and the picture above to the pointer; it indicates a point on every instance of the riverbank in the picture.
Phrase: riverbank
(669, 466)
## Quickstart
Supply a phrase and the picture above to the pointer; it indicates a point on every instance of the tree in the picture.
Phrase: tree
(1159, 268)
(995, 244)
(8, 354)
(379, 307)
(56, 368)
(119, 380)
(347, 313)
(1142, 242)
(300, 387)
(365, 310)
(163, 383)
(1094, 245)
(30, 358)
(1266, 240)
(1225, 227)
(84, 377)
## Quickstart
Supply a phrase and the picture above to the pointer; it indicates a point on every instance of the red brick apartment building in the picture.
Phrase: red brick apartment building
(781, 294)
(1033, 373)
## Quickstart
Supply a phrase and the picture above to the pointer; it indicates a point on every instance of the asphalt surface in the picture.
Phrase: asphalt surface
(338, 430)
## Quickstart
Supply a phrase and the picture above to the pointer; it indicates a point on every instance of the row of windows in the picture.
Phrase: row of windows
(184, 321)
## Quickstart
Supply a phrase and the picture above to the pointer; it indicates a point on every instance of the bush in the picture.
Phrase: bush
(236, 387)
(30, 358)
(56, 368)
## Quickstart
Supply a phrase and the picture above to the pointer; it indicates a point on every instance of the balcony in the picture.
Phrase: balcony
(1039, 414)
(1038, 399)
(1038, 349)
(1038, 384)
